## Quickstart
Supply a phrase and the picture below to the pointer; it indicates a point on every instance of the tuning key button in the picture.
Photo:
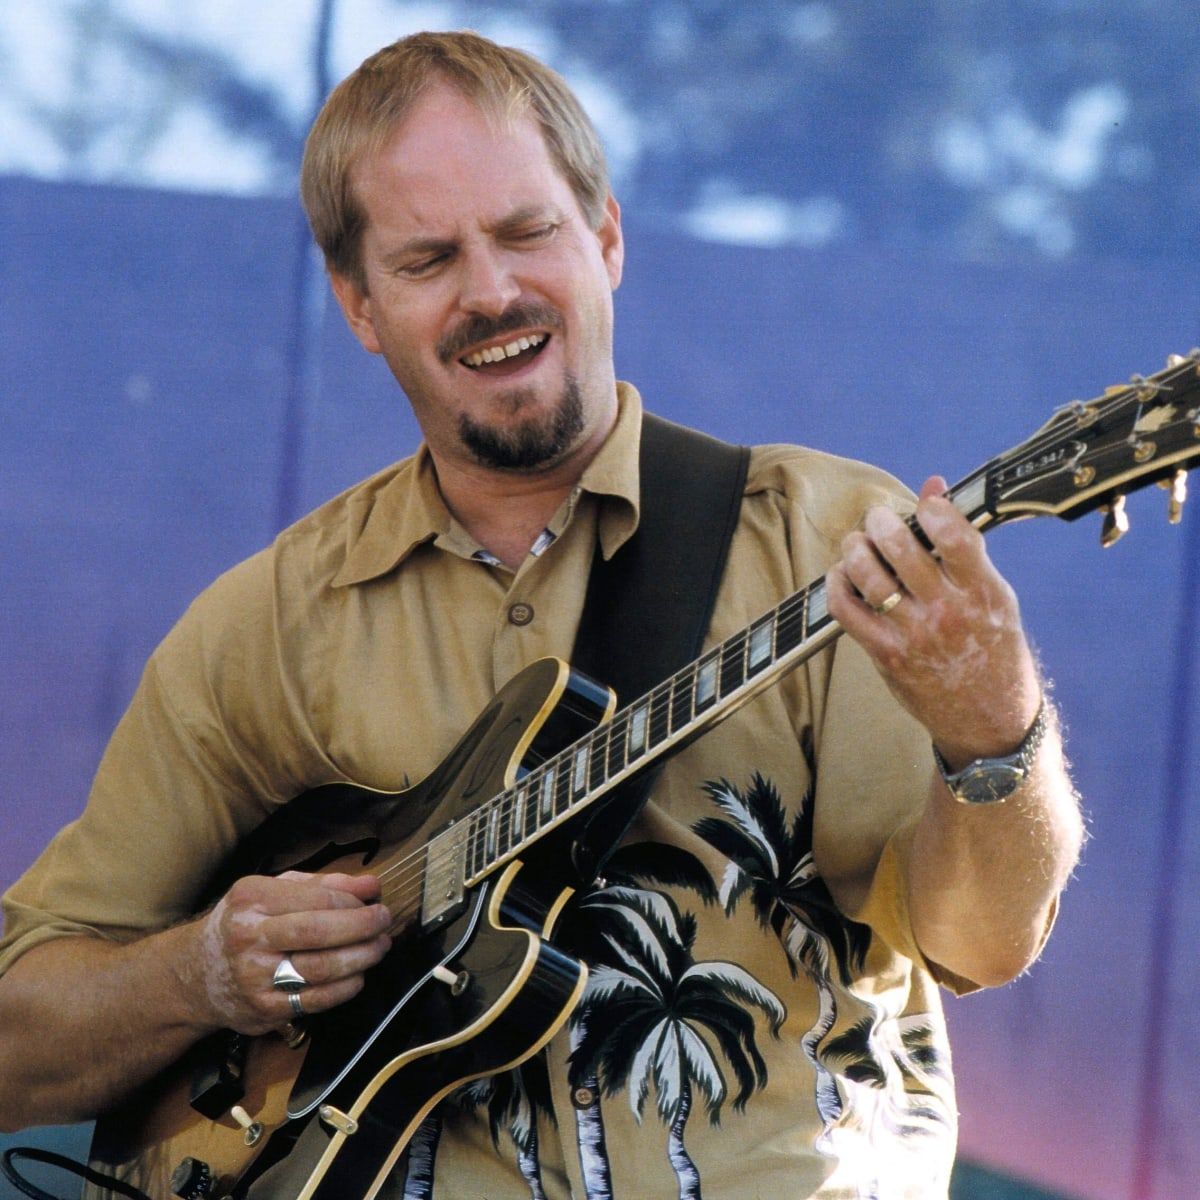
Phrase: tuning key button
(1177, 486)
(1116, 522)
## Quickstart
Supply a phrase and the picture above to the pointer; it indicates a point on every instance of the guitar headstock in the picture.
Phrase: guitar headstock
(1090, 455)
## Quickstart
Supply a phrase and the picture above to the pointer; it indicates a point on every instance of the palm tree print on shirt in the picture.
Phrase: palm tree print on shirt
(771, 861)
(514, 1100)
(666, 1019)
(890, 1065)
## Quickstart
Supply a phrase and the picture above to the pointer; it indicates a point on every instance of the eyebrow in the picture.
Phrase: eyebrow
(525, 214)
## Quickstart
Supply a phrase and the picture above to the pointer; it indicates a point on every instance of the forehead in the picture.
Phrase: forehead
(449, 161)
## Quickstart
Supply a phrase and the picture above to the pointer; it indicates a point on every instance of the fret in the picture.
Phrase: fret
(599, 743)
(579, 769)
(476, 836)
(660, 714)
(706, 681)
(682, 690)
(510, 821)
(491, 841)
(636, 741)
(733, 664)
(817, 611)
(529, 801)
(562, 790)
(761, 647)
(615, 757)
(546, 794)
(505, 832)
(789, 627)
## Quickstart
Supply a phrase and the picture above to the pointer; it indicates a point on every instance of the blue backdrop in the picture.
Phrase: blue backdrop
(174, 387)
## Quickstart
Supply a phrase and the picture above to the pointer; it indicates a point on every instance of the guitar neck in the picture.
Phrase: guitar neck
(1086, 456)
(662, 722)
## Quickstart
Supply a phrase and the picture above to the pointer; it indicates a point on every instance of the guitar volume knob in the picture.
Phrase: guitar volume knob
(192, 1180)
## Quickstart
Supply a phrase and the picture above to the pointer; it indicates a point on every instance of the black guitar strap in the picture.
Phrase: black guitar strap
(648, 607)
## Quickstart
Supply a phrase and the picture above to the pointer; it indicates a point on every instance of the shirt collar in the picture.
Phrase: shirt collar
(393, 514)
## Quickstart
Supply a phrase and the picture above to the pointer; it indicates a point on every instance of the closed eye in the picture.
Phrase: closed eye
(424, 266)
(536, 234)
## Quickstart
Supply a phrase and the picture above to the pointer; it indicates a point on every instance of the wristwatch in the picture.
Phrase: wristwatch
(989, 780)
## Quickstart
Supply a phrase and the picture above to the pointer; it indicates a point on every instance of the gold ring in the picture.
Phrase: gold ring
(886, 606)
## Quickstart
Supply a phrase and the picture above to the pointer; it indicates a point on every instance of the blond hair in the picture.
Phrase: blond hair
(364, 108)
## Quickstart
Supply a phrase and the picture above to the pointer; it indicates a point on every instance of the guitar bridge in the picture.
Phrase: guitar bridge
(445, 872)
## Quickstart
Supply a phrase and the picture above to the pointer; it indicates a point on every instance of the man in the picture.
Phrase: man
(459, 196)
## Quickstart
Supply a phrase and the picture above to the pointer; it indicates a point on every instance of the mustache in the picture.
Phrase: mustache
(481, 329)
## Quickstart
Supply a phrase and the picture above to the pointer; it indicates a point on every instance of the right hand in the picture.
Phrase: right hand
(330, 926)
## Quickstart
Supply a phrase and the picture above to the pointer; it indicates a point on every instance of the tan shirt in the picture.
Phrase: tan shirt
(358, 648)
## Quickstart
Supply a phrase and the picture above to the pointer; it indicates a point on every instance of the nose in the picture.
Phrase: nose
(488, 286)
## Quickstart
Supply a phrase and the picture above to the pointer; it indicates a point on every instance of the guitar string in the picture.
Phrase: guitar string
(598, 744)
(516, 800)
(1101, 407)
(784, 618)
(497, 831)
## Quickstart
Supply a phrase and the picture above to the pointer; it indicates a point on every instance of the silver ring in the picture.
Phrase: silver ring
(885, 606)
(287, 978)
(297, 1005)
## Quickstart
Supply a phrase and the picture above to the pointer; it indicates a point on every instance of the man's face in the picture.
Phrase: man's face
(486, 291)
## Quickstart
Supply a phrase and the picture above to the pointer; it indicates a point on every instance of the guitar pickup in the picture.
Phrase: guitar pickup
(445, 873)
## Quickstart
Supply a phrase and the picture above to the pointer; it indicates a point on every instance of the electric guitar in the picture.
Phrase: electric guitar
(475, 862)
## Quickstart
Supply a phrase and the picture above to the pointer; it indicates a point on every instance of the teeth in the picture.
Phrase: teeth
(499, 353)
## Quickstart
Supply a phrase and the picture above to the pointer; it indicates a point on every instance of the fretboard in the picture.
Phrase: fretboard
(667, 718)
(672, 714)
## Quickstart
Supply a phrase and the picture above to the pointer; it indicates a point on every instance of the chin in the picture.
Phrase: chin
(533, 443)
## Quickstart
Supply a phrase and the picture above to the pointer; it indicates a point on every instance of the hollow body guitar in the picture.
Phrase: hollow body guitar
(477, 862)
(471, 987)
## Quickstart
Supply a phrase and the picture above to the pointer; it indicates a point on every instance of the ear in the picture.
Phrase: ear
(612, 243)
(356, 308)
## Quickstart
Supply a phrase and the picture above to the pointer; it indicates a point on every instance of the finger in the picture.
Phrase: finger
(364, 887)
(866, 570)
(856, 614)
(278, 1010)
(957, 543)
(935, 485)
(322, 929)
(905, 557)
(328, 966)
(296, 891)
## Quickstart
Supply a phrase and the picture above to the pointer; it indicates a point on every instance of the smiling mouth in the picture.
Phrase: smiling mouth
(515, 353)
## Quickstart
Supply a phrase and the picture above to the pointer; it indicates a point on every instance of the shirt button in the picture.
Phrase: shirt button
(520, 614)
(583, 1097)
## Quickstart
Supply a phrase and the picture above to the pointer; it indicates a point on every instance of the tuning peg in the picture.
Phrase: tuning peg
(1116, 522)
(1177, 486)
(1147, 389)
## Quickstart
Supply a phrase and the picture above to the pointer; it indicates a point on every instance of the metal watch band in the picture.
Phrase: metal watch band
(990, 780)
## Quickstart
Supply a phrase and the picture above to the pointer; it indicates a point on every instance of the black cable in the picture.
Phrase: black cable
(50, 1159)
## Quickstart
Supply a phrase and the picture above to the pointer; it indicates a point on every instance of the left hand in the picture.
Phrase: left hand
(952, 649)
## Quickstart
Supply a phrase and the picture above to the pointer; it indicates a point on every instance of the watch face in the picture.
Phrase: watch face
(985, 783)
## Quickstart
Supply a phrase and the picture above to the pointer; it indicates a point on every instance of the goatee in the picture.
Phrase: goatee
(535, 442)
